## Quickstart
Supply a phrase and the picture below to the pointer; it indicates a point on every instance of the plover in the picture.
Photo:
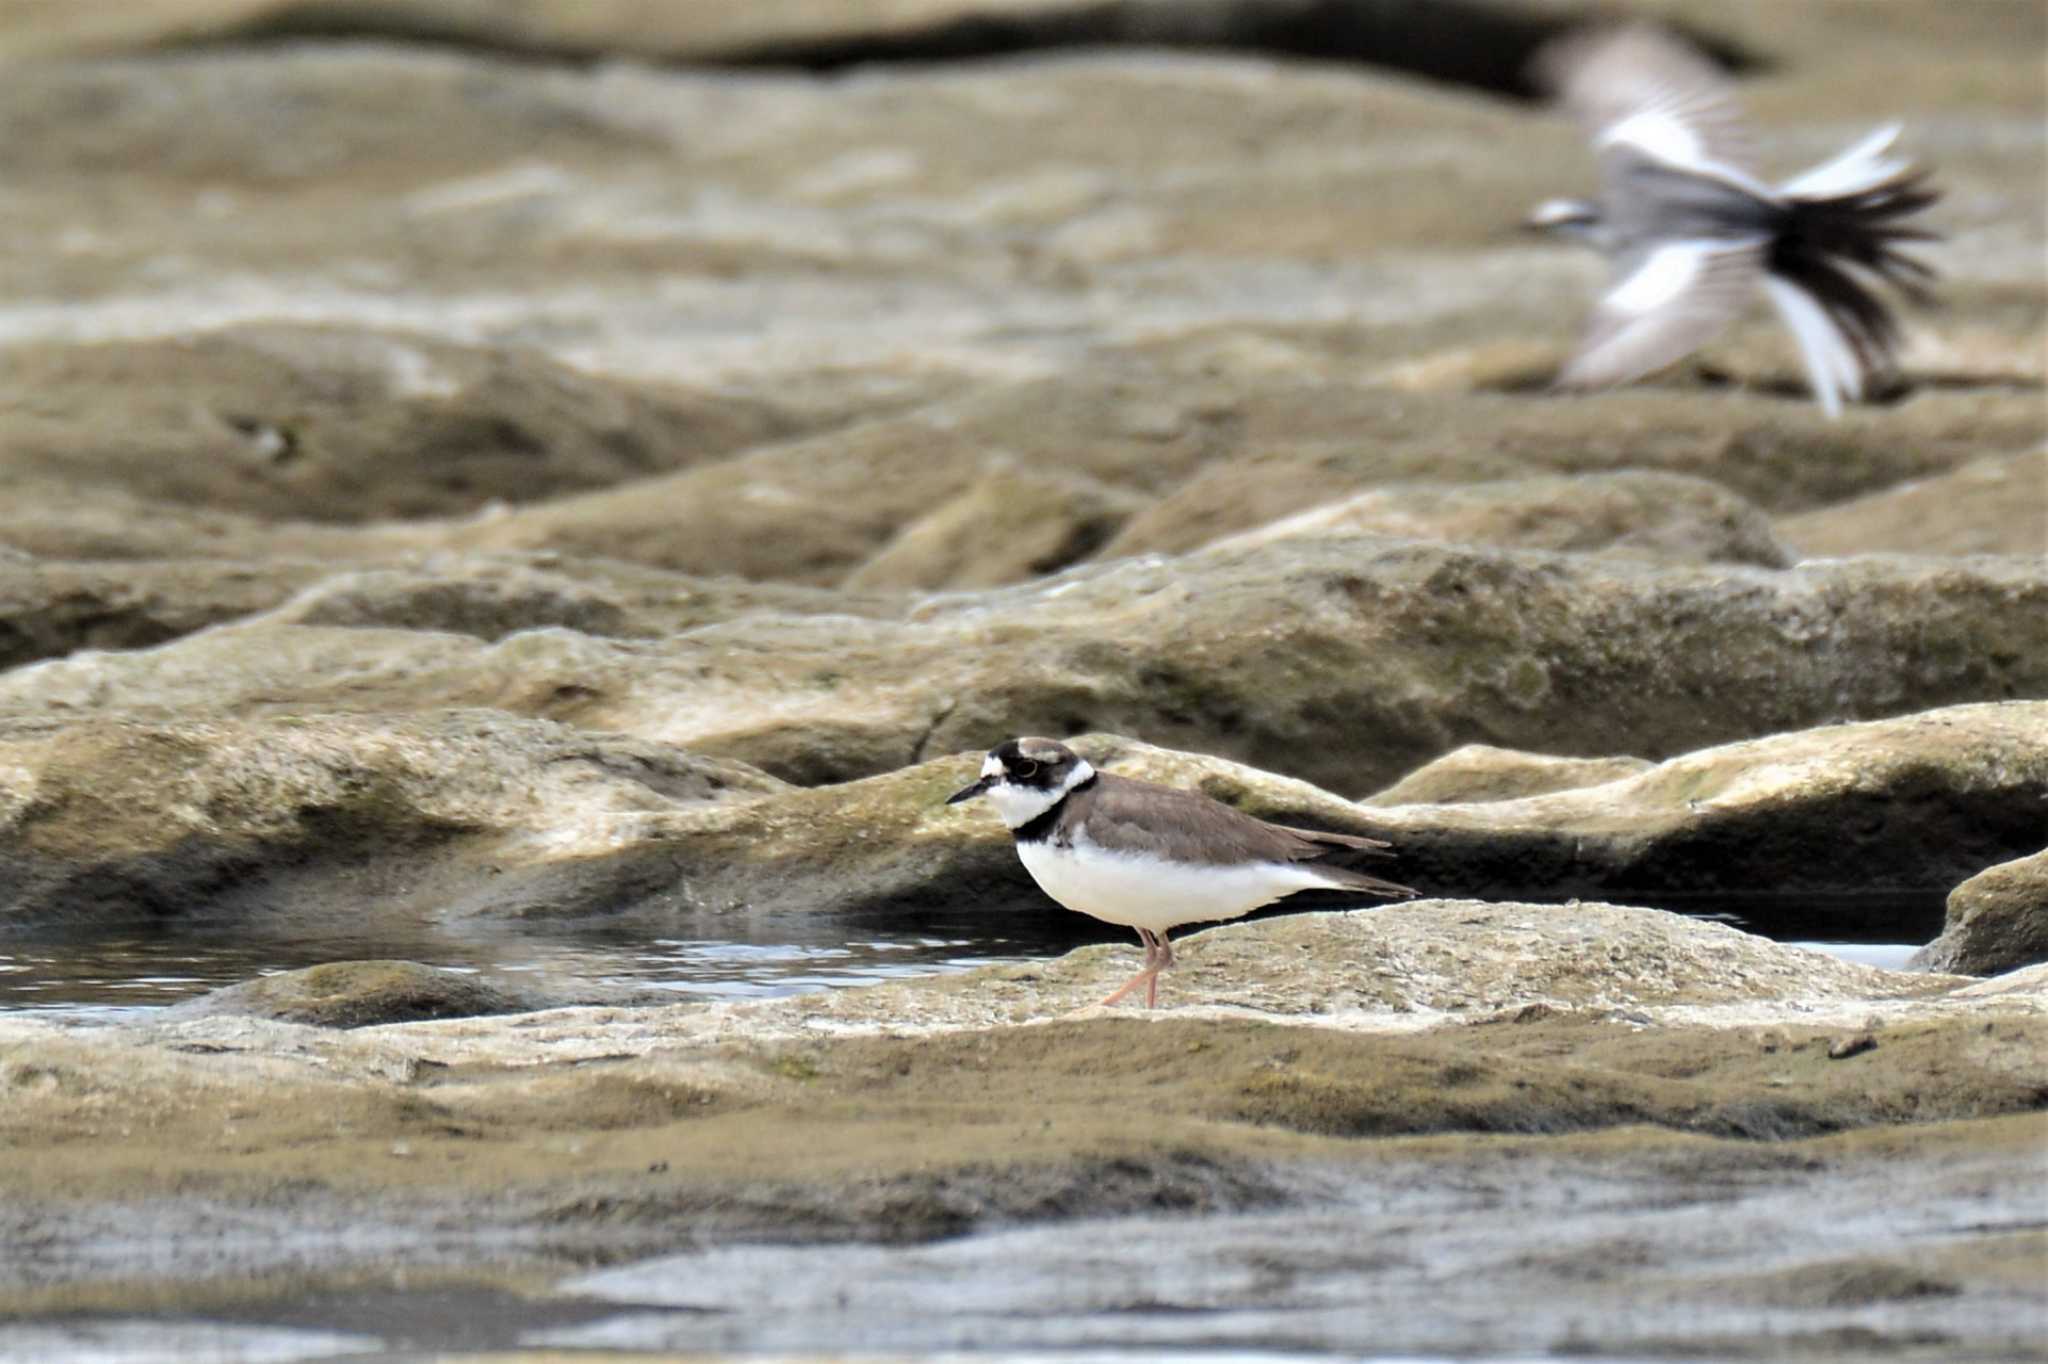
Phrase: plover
(1691, 229)
(1153, 857)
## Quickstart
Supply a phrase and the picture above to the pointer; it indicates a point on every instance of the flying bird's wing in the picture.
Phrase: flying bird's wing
(1639, 87)
(1666, 301)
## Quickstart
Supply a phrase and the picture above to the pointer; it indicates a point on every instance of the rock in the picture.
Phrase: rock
(340, 424)
(358, 994)
(1652, 516)
(475, 816)
(305, 822)
(1461, 957)
(1842, 831)
(1344, 662)
(53, 520)
(1850, 830)
(48, 610)
(1480, 772)
(1994, 505)
(1011, 525)
(885, 852)
(1755, 452)
(1832, 832)
(1997, 922)
(803, 512)
(722, 341)
(491, 596)
(1132, 260)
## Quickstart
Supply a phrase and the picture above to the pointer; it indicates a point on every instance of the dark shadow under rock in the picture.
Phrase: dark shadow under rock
(48, 610)
(1482, 43)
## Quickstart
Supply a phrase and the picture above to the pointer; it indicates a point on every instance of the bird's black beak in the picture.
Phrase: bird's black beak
(970, 792)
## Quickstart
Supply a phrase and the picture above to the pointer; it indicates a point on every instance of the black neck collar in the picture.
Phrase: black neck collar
(1039, 828)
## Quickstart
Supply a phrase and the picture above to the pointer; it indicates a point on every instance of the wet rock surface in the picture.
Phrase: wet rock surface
(477, 481)
(1422, 1046)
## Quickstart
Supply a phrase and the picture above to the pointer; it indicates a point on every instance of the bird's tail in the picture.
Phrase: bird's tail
(1846, 224)
(1345, 878)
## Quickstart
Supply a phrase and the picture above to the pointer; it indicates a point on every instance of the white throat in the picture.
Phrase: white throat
(1017, 806)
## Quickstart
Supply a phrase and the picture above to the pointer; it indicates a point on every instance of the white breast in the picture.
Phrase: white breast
(1152, 893)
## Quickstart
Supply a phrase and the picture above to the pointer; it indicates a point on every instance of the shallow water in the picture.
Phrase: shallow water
(116, 975)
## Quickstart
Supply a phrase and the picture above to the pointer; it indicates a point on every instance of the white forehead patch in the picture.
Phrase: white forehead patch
(991, 766)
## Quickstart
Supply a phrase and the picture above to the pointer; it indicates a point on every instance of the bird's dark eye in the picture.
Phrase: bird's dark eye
(1025, 768)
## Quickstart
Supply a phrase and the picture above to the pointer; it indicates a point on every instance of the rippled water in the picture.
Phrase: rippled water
(111, 974)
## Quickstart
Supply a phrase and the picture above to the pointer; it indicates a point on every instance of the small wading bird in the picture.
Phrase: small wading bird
(1153, 857)
(1691, 230)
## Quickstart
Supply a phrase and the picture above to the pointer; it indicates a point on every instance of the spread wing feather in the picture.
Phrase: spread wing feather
(1664, 304)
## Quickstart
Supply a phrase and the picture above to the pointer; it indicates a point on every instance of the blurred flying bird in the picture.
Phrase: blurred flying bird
(1691, 229)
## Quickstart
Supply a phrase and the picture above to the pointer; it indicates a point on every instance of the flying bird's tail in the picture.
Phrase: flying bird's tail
(1844, 224)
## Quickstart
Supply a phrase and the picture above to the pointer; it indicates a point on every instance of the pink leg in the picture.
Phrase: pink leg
(1165, 960)
(1149, 975)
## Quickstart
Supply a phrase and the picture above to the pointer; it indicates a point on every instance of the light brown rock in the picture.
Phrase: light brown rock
(1671, 517)
(1994, 505)
(1011, 525)
(344, 424)
(1481, 772)
(1997, 921)
(48, 610)
(313, 823)
(358, 994)
(1777, 829)
(1337, 660)
(490, 596)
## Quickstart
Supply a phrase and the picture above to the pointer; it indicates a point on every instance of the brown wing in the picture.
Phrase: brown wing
(1329, 845)
(1187, 826)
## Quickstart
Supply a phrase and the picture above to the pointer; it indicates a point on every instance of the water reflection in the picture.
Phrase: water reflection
(107, 975)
